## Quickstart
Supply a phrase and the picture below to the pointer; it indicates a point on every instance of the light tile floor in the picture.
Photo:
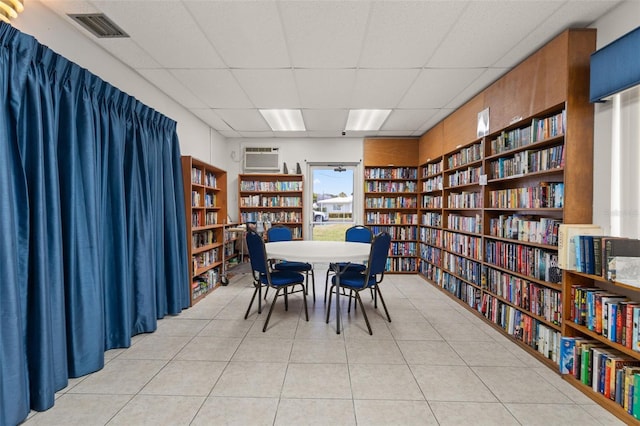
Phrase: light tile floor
(436, 363)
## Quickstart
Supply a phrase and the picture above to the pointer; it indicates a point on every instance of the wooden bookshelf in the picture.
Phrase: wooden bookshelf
(205, 197)
(516, 177)
(391, 198)
(272, 199)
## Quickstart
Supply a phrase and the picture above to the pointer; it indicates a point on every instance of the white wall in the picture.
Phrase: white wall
(615, 24)
(292, 151)
(196, 138)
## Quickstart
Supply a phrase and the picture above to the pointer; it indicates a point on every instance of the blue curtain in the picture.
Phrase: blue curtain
(92, 242)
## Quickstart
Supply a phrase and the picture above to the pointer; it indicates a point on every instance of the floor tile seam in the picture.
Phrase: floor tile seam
(507, 404)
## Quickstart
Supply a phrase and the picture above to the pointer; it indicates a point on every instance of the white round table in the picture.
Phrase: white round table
(320, 251)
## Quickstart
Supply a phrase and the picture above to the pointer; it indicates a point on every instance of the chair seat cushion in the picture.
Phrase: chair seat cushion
(293, 266)
(354, 280)
(279, 278)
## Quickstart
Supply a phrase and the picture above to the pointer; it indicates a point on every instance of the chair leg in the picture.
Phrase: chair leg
(306, 311)
(271, 309)
(326, 284)
(286, 299)
(384, 305)
(329, 305)
(246, 315)
(364, 314)
(313, 285)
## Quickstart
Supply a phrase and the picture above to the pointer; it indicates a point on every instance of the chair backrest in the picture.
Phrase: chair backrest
(279, 233)
(379, 254)
(257, 253)
(358, 234)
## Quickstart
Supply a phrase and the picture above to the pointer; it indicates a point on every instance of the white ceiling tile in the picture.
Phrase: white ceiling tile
(570, 14)
(324, 33)
(252, 135)
(325, 88)
(487, 29)
(393, 133)
(166, 82)
(404, 34)
(380, 88)
(210, 117)
(435, 119)
(164, 29)
(216, 88)
(332, 120)
(410, 119)
(301, 134)
(244, 120)
(269, 88)
(229, 133)
(128, 52)
(484, 80)
(434, 88)
(245, 34)
(323, 134)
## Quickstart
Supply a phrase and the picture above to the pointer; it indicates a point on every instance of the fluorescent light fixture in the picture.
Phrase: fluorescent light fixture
(284, 120)
(366, 119)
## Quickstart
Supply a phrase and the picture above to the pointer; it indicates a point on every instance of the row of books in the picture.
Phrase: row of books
(465, 156)
(201, 239)
(432, 219)
(282, 186)
(431, 202)
(383, 186)
(609, 372)
(403, 249)
(538, 299)
(210, 218)
(396, 218)
(431, 254)
(512, 139)
(537, 335)
(391, 173)
(431, 272)
(432, 169)
(432, 184)
(270, 201)
(608, 314)
(542, 230)
(202, 260)
(431, 236)
(464, 200)
(391, 202)
(546, 195)
(460, 289)
(529, 261)
(202, 284)
(584, 248)
(527, 162)
(464, 268)
(465, 245)
(271, 217)
(401, 264)
(465, 177)
(540, 129)
(458, 222)
(397, 232)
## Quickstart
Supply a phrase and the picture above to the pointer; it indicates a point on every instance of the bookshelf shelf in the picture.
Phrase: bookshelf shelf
(272, 199)
(500, 197)
(206, 208)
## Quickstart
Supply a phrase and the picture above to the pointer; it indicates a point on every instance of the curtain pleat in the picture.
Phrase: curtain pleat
(92, 248)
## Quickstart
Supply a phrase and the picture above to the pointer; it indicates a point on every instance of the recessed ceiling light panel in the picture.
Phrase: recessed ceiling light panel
(284, 120)
(366, 119)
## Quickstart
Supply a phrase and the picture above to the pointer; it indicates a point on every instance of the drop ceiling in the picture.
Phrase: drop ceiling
(223, 60)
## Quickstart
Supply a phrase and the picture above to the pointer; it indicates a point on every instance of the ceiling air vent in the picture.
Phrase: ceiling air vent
(99, 25)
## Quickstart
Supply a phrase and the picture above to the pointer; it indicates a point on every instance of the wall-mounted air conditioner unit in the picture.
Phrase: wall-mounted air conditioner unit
(261, 160)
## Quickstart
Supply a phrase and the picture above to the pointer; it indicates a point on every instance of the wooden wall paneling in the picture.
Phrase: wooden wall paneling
(390, 152)
(430, 145)
(460, 128)
(579, 155)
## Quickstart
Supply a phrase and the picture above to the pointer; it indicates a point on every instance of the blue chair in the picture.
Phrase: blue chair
(282, 233)
(370, 278)
(355, 234)
(263, 276)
